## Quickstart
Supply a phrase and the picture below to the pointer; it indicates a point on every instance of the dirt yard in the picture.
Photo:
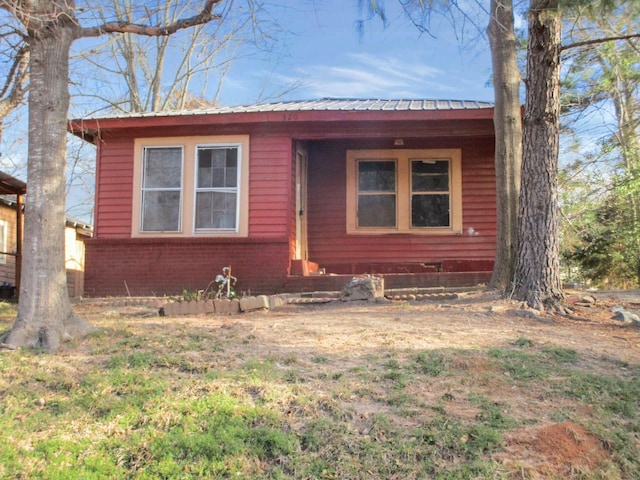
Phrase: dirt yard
(474, 320)
(349, 334)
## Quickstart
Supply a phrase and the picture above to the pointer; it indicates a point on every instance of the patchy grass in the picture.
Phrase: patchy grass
(212, 398)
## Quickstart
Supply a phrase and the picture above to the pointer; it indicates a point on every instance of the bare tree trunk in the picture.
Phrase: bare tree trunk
(508, 128)
(537, 270)
(45, 317)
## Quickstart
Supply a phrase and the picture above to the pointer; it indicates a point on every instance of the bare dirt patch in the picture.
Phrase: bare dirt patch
(560, 449)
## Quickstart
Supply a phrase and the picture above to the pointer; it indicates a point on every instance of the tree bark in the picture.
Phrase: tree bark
(537, 270)
(45, 317)
(508, 131)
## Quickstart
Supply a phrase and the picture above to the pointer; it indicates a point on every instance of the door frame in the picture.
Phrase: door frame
(301, 166)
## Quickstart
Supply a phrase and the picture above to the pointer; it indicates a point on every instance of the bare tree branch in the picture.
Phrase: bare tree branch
(597, 41)
(205, 16)
(14, 82)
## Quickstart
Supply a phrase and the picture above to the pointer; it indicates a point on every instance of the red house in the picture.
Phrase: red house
(294, 196)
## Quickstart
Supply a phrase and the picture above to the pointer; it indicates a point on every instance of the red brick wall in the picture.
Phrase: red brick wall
(159, 267)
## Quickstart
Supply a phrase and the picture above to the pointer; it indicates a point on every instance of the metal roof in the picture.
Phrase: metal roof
(11, 186)
(324, 104)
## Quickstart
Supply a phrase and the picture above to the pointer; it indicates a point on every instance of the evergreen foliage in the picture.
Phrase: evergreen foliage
(601, 183)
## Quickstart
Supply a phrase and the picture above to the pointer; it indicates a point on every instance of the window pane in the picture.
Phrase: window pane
(377, 176)
(376, 210)
(215, 210)
(217, 167)
(162, 167)
(430, 211)
(160, 211)
(430, 175)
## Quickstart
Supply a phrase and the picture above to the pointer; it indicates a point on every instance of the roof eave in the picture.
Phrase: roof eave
(89, 129)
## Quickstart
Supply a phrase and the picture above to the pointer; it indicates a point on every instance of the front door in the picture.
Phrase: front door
(301, 204)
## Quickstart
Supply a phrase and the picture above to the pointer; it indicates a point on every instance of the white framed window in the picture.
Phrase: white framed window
(404, 191)
(191, 186)
(161, 189)
(216, 203)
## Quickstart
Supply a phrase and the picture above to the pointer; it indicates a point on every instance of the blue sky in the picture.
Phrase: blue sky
(326, 57)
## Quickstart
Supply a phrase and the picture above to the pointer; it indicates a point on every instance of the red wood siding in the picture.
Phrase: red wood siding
(330, 245)
(114, 188)
(269, 187)
(270, 193)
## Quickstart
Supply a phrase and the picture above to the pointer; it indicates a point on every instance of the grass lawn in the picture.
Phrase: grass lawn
(396, 391)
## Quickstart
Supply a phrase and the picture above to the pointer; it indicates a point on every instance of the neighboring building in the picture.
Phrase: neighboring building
(76, 234)
(8, 245)
(285, 191)
(12, 191)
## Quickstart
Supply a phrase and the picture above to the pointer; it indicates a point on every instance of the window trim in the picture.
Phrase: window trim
(189, 146)
(403, 159)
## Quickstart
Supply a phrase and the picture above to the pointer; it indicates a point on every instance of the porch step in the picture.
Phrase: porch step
(304, 268)
(330, 282)
(428, 267)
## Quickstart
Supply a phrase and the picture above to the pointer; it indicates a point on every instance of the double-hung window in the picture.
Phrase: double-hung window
(404, 191)
(162, 189)
(194, 185)
(217, 188)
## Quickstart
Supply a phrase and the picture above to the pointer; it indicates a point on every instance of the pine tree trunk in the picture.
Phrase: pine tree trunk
(537, 271)
(508, 129)
(45, 317)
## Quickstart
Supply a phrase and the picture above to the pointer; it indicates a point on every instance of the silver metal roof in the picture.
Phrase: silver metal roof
(324, 104)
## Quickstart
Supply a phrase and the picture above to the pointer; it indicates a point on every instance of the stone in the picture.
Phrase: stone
(200, 310)
(625, 316)
(530, 313)
(191, 307)
(248, 304)
(363, 287)
(167, 309)
(208, 306)
(276, 301)
(226, 307)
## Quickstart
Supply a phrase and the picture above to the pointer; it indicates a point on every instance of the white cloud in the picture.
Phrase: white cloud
(370, 76)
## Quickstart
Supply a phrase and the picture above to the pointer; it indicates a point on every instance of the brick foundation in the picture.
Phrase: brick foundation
(156, 267)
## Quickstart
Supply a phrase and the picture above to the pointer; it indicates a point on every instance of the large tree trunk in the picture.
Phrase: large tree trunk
(508, 128)
(537, 271)
(45, 317)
